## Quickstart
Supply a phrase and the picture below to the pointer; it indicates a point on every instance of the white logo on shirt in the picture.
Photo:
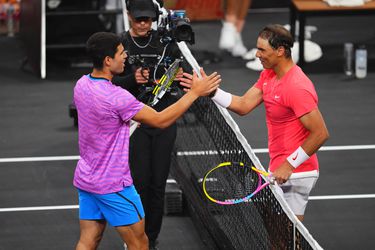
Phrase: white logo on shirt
(264, 84)
(277, 97)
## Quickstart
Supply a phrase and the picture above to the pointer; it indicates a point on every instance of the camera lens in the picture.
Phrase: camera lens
(183, 31)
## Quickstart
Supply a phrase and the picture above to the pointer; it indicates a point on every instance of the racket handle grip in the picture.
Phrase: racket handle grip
(271, 179)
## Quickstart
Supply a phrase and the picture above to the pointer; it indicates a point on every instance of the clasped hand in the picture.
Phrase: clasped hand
(283, 172)
(202, 86)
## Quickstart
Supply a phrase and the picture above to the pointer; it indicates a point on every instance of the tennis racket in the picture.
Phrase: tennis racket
(165, 83)
(234, 182)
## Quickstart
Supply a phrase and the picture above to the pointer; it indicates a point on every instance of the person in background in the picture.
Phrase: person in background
(102, 175)
(233, 24)
(150, 168)
(296, 128)
(9, 16)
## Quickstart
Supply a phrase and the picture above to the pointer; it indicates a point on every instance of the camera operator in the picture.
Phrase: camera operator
(150, 148)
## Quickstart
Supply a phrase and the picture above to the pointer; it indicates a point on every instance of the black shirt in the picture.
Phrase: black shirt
(146, 51)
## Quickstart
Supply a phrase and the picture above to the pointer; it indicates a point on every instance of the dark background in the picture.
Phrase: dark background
(34, 122)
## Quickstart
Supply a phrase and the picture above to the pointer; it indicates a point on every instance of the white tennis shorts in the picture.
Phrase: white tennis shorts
(297, 191)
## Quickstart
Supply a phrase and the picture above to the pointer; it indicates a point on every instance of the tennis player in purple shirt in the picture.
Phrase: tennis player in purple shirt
(102, 176)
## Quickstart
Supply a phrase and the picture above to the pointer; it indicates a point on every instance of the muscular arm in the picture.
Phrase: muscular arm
(314, 122)
(168, 116)
(163, 119)
(243, 105)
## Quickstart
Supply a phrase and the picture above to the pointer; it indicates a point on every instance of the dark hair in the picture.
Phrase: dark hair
(100, 45)
(278, 36)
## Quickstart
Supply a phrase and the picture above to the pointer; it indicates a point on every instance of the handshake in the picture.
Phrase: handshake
(205, 86)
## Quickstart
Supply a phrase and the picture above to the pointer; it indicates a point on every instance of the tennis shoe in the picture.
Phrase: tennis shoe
(239, 49)
(312, 51)
(250, 55)
(254, 65)
(227, 36)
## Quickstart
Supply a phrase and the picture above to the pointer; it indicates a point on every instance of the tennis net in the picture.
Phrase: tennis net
(207, 135)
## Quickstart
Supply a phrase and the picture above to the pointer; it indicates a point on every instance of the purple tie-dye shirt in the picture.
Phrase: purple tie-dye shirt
(104, 114)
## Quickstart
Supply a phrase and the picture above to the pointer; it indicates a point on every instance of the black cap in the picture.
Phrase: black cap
(142, 8)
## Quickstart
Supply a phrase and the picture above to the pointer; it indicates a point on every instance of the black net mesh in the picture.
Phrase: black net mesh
(204, 140)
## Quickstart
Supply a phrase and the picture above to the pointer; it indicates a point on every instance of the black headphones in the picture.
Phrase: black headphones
(156, 8)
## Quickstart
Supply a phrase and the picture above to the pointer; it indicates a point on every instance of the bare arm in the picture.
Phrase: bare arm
(241, 105)
(163, 119)
(314, 122)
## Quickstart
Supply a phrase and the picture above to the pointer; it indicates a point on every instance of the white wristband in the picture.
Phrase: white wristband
(297, 157)
(222, 98)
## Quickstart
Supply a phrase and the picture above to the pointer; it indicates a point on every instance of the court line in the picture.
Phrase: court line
(329, 148)
(265, 150)
(180, 153)
(41, 208)
(342, 197)
(67, 207)
(45, 158)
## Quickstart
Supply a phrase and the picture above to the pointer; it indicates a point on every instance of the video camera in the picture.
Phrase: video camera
(144, 60)
(174, 25)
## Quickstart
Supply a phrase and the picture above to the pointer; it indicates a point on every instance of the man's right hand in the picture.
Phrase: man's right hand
(202, 86)
(164, 118)
(283, 172)
(142, 75)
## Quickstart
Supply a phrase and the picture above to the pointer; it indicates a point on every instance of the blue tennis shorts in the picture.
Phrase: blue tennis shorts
(118, 209)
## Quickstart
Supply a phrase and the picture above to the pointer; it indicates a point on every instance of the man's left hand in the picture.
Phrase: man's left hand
(186, 81)
(283, 172)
